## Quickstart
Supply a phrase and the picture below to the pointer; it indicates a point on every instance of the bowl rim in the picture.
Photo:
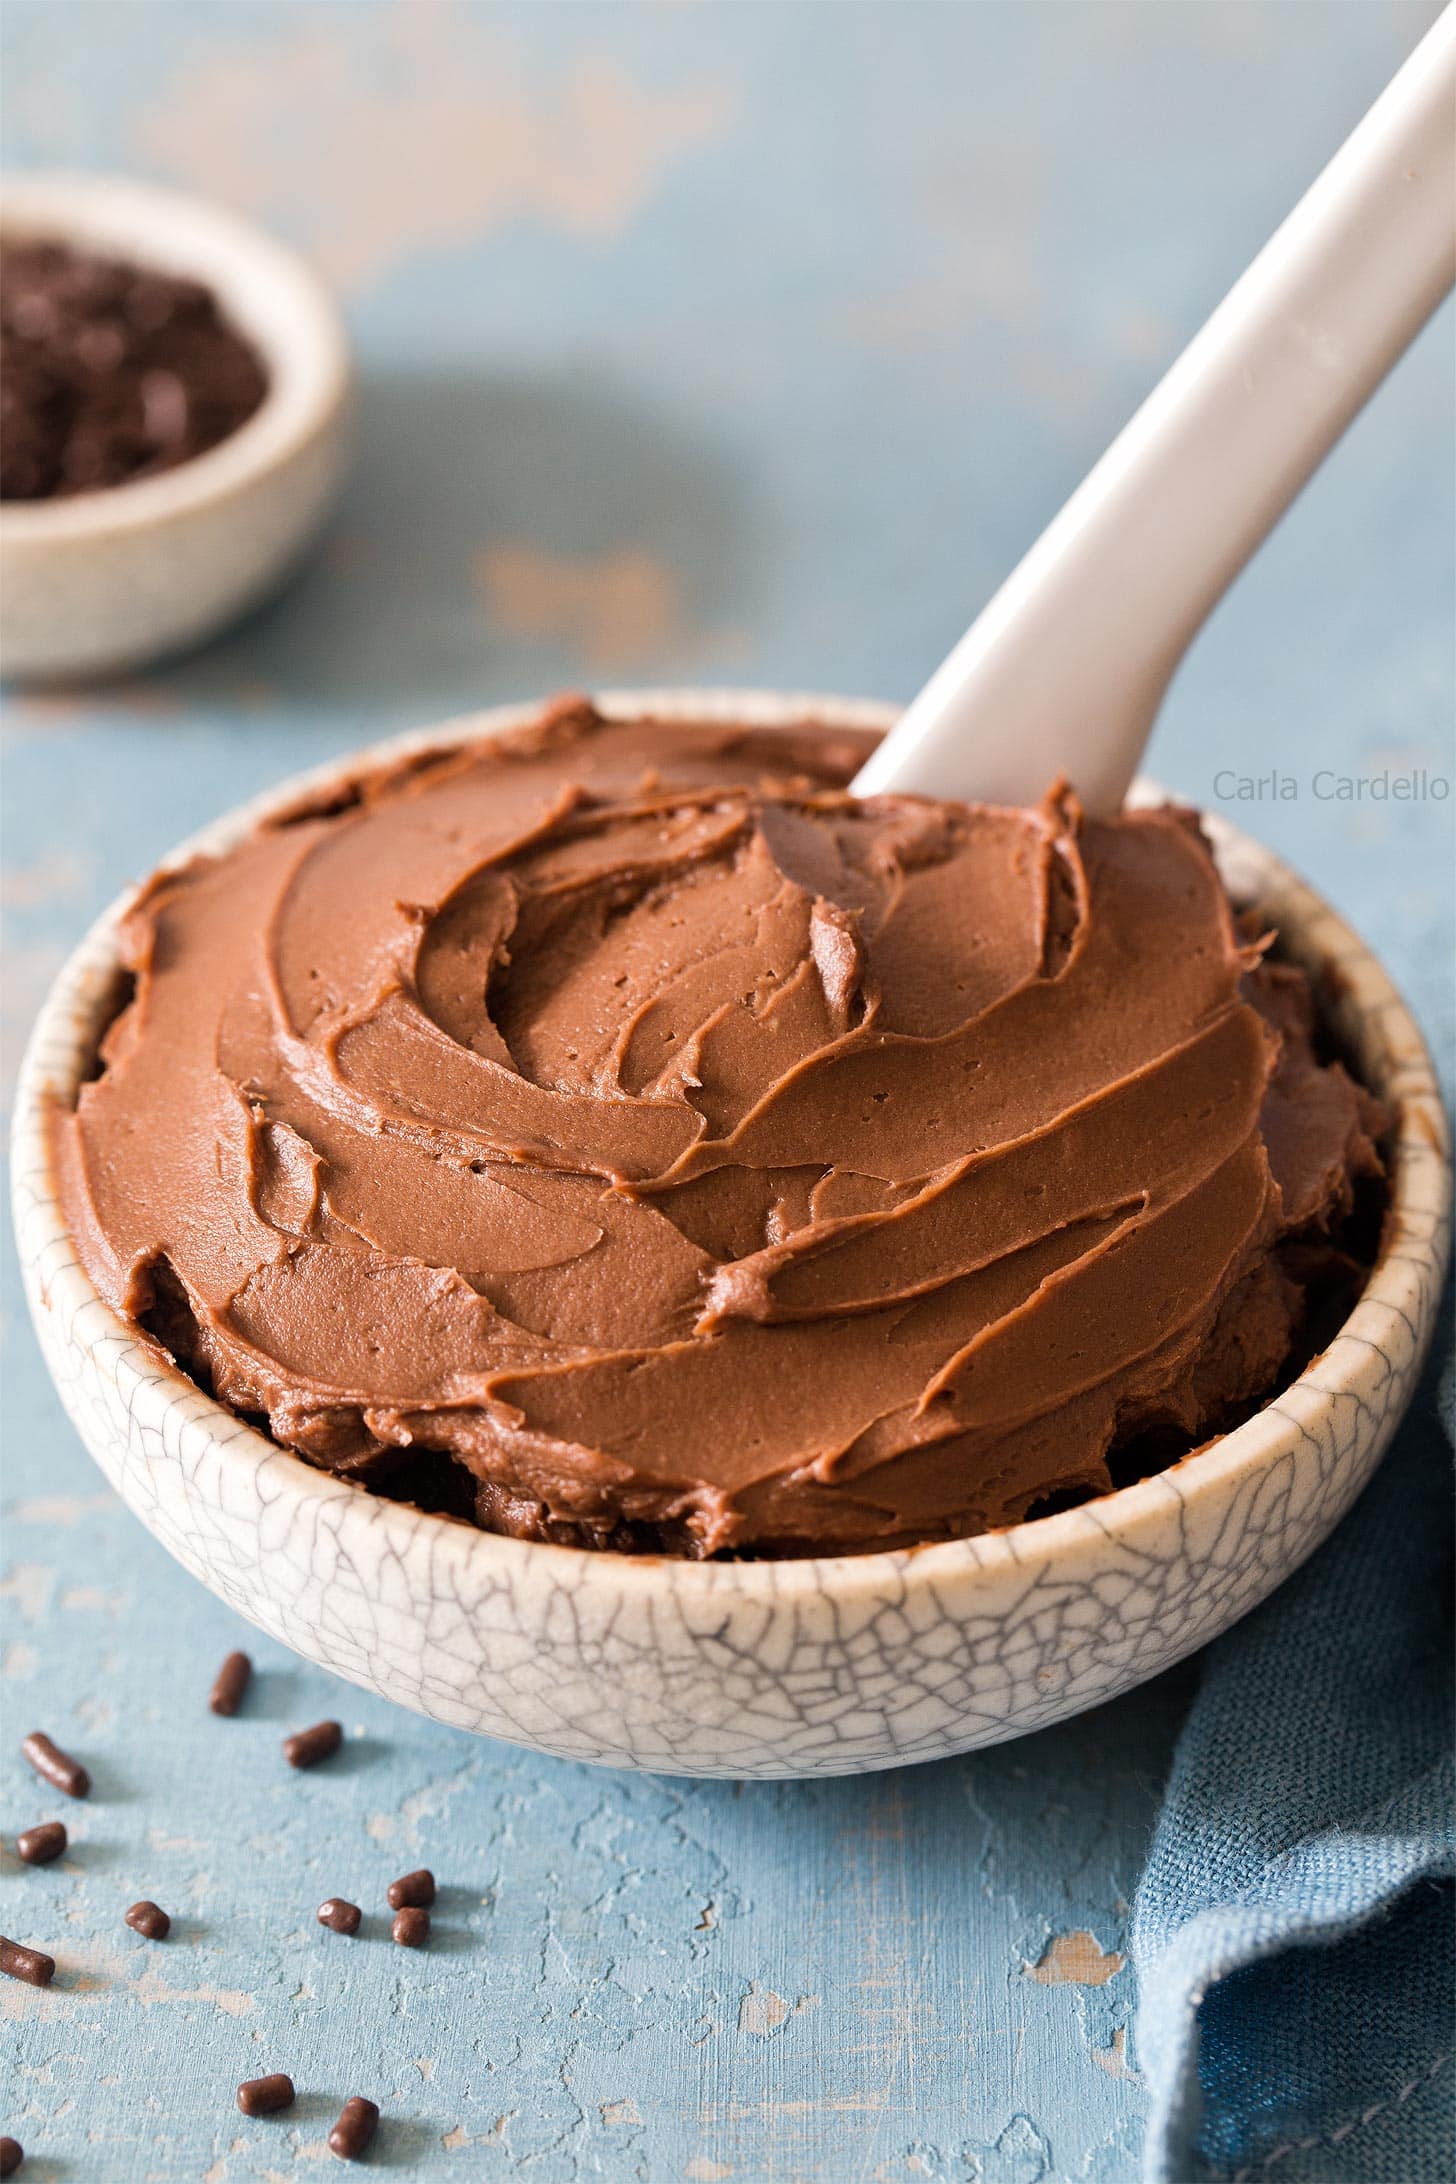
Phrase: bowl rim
(63, 1037)
(301, 340)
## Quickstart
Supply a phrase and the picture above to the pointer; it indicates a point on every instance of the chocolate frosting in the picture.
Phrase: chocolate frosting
(619, 1134)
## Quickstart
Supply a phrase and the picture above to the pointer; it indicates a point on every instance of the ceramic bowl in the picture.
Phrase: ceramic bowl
(832, 1666)
(98, 582)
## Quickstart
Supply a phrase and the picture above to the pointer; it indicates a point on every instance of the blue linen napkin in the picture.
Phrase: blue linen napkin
(1293, 1929)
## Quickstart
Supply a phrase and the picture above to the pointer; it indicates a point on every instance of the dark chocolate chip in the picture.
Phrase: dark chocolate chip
(164, 408)
(309, 1746)
(340, 1916)
(265, 2096)
(411, 1928)
(100, 348)
(232, 1681)
(39, 1845)
(411, 1888)
(150, 1920)
(12, 2153)
(31, 1965)
(358, 2121)
(55, 1766)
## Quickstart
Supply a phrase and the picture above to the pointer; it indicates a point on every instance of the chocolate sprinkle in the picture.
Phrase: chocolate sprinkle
(265, 2096)
(339, 1915)
(39, 1845)
(308, 1746)
(150, 1920)
(411, 1888)
(358, 2120)
(232, 1681)
(55, 1766)
(411, 1928)
(32, 1965)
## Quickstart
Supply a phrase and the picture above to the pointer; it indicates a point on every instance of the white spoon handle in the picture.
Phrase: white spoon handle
(1065, 669)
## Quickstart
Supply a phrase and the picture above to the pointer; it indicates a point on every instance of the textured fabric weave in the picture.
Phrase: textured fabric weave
(1293, 1931)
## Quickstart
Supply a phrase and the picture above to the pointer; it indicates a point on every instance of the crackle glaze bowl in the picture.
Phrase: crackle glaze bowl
(833, 1666)
(99, 582)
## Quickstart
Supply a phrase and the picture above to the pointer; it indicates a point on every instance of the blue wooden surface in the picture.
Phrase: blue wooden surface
(738, 343)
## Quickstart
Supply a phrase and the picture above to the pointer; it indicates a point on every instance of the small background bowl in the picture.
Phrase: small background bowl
(97, 582)
(787, 1669)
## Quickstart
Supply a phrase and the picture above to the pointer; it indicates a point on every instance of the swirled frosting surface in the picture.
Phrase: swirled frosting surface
(619, 1134)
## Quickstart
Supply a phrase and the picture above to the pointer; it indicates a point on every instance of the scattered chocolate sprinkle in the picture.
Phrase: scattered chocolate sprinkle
(109, 372)
(31, 1965)
(55, 1766)
(264, 2096)
(339, 1916)
(150, 1920)
(358, 2120)
(232, 1681)
(411, 1928)
(12, 2153)
(39, 1845)
(309, 1746)
(411, 1888)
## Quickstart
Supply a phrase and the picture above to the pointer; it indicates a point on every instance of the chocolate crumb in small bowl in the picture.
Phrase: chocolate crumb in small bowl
(42, 1844)
(358, 2121)
(411, 1928)
(231, 1683)
(149, 1920)
(265, 2096)
(111, 371)
(32, 1965)
(55, 1766)
(308, 1746)
(339, 1915)
(412, 1888)
(12, 2153)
